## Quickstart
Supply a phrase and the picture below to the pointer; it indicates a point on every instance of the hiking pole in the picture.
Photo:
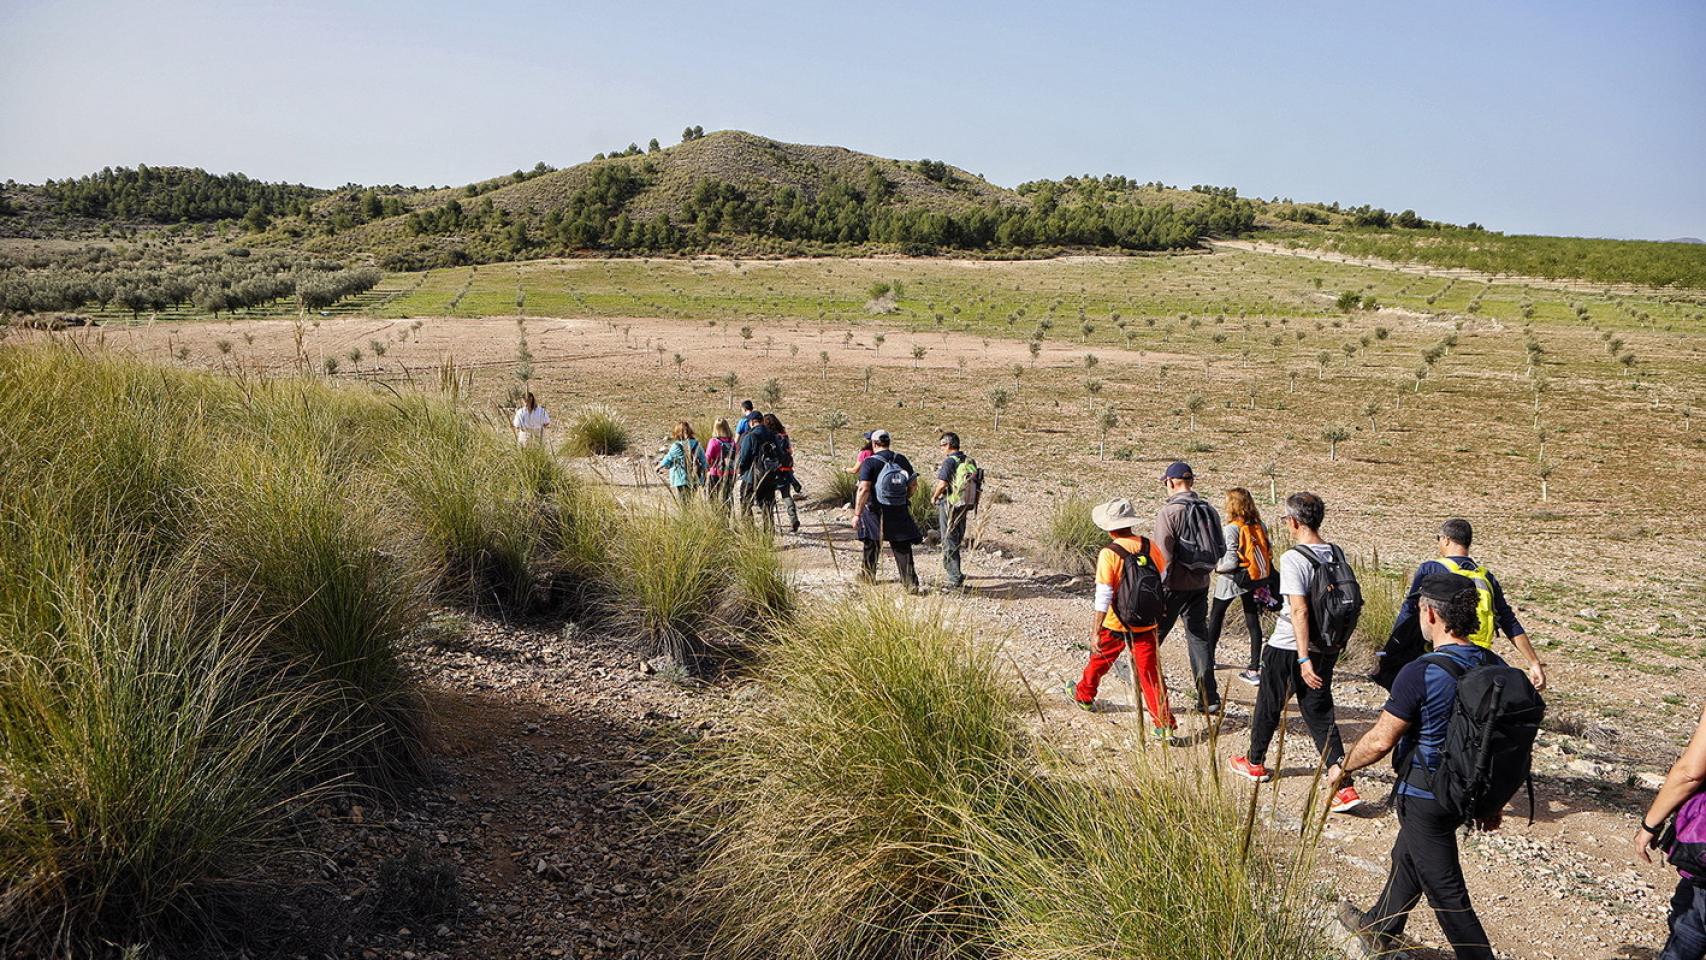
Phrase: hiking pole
(1279, 749)
(829, 541)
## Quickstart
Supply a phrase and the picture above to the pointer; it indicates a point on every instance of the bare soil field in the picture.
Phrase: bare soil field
(1601, 567)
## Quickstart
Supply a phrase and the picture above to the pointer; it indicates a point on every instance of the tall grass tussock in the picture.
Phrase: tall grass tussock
(690, 584)
(886, 803)
(1071, 539)
(595, 432)
(204, 597)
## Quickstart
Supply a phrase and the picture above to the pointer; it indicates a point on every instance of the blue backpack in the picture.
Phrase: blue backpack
(894, 483)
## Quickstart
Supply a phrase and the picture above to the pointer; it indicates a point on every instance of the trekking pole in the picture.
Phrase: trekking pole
(829, 541)
(1279, 751)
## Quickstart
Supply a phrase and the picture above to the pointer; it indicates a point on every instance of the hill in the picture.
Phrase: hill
(738, 194)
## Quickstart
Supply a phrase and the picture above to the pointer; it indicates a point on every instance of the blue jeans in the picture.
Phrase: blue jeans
(1687, 922)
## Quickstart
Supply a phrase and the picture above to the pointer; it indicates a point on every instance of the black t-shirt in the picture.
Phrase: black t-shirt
(874, 464)
(950, 465)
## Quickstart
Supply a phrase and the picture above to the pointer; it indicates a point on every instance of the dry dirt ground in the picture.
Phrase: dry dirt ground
(547, 732)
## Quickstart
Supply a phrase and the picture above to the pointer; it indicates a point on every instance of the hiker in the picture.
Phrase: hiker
(758, 461)
(720, 458)
(1684, 796)
(1310, 573)
(786, 483)
(882, 510)
(959, 485)
(864, 454)
(1454, 539)
(685, 461)
(1128, 584)
(751, 418)
(530, 421)
(1188, 537)
(1245, 569)
(1417, 721)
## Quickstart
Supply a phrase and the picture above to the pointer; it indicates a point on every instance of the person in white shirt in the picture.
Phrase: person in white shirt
(1297, 659)
(530, 421)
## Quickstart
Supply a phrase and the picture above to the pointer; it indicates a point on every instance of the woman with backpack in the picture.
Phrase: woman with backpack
(1247, 565)
(720, 456)
(685, 461)
(786, 482)
(1683, 796)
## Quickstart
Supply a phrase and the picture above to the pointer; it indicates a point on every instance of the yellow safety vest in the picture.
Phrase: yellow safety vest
(1483, 635)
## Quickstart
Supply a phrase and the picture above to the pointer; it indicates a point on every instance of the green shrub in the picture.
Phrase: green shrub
(595, 431)
(1382, 595)
(1141, 859)
(145, 759)
(478, 508)
(688, 584)
(840, 488)
(921, 507)
(306, 557)
(1071, 539)
(832, 817)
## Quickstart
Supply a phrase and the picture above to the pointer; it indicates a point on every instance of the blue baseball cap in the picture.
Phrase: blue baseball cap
(1178, 470)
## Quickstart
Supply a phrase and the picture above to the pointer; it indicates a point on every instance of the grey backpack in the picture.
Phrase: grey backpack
(1199, 541)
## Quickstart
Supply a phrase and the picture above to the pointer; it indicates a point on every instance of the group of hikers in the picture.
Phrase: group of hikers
(1459, 722)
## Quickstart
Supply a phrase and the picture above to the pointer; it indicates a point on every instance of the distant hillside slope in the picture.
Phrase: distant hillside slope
(734, 192)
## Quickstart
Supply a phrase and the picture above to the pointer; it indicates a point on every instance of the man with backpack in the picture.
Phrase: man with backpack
(1496, 615)
(1130, 601)
(758, 458)
(1322, 604)
(959, 486)
(1188, 537)
(1463, 724)
(882, 510)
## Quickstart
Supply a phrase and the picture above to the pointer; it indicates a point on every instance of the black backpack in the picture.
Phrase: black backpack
(1335, 600)
(1138, 600)
(1199, 542)
(1403, 647)
(1489, 742)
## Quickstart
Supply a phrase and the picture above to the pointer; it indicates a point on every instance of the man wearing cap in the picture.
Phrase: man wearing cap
(875, 522)
(1108, 636)
(951, 517)
(1188, 537)
(1496, 615)
(1415, 720)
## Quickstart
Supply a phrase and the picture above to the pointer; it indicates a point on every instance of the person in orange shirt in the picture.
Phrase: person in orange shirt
(1108, 635)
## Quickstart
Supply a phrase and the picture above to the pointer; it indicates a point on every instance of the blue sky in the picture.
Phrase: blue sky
(1555, 117)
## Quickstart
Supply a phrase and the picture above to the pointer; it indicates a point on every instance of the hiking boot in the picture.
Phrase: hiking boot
(1088, 706)
(794, 527)
(1355, 922)
(1251, 677)
(1211, 709)
(1346, 800)
(1164, 736)
(1249, 771)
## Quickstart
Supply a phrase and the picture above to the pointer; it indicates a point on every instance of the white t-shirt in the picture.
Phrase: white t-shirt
(1296, 573)
(535, 419)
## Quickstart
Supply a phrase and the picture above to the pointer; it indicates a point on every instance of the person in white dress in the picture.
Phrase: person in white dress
(530, 421)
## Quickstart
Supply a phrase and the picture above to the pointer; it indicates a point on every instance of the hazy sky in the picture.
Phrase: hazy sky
(1556, 117)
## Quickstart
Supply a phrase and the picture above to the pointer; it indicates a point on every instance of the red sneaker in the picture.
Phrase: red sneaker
(1346, 800)
(1250, 771)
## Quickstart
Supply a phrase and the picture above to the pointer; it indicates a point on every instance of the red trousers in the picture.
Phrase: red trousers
(1146, 665)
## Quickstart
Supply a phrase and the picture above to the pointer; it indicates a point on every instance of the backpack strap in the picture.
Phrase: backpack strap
(1448, 664)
